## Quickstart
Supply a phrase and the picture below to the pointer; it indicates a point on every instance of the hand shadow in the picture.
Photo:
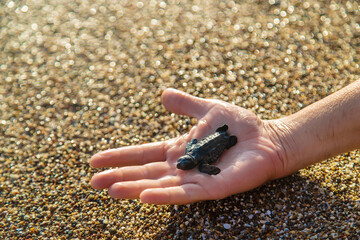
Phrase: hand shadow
(292, 207)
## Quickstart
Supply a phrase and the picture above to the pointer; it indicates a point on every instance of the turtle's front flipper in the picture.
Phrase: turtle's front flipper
(223, 128)
(232, 141)
(190, 145)
(209, 169)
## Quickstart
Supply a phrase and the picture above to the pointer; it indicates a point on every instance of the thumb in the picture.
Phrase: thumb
(185, 104)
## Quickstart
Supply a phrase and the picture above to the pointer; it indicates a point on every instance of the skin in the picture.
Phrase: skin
(266, 150)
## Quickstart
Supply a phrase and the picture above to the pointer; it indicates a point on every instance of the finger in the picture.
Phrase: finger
(182, 103)
(149, 171)
(183, 194)
(133, 189)
(132, 155)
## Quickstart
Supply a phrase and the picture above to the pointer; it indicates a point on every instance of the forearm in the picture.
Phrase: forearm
(324, 129)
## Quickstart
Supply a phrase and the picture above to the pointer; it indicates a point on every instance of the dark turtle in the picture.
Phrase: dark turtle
(207, 151)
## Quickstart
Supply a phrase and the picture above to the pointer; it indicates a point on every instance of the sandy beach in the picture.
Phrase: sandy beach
(78, 77)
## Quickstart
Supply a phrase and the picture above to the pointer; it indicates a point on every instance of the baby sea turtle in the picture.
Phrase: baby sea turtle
(207, 151)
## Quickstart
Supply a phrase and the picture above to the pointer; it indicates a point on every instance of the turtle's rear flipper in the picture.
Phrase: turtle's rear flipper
(222, 128)
(209, 169)
(232, 142)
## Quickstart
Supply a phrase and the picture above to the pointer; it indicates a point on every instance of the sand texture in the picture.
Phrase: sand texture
(78, 77)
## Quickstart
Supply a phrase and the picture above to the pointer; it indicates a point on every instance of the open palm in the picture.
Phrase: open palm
(149, 171)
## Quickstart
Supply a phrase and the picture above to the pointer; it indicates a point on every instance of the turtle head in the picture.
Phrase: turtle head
(185, 163)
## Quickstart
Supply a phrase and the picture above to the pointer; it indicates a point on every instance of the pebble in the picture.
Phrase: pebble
(227, 226)
(80, 77)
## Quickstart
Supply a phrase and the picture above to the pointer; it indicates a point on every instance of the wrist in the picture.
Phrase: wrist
(281, 133)
(300, 143)
(317, 132)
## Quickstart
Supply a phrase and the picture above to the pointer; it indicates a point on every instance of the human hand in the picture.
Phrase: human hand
(149, 171)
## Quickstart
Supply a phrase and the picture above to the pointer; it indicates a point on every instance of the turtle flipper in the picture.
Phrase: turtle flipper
(209, 169)
(190, 146)
(223, 128)
(232, 141)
